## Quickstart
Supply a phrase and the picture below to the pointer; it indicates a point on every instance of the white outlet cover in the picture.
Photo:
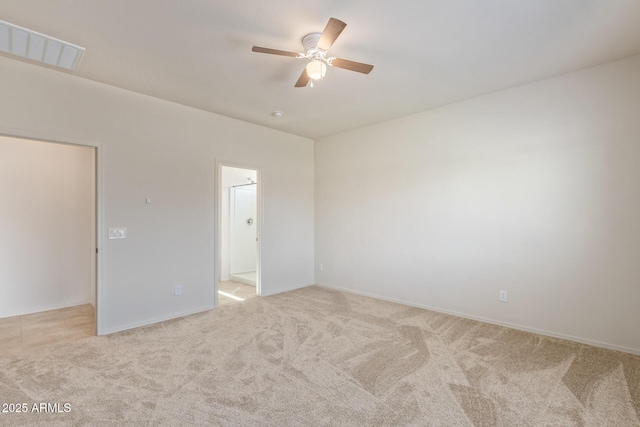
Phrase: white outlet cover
(117, 232)
(503, 296)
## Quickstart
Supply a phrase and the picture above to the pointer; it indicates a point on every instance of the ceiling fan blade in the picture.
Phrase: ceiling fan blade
(352, 65)
(303, 80)
(331, 32)
(274, 51)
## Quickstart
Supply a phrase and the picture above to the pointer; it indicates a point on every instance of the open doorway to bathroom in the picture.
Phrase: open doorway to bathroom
(239, 225)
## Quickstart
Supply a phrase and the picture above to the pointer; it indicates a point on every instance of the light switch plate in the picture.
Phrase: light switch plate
(117, 232)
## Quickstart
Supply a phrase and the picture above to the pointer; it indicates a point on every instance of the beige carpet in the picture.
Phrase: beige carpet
(320, 357)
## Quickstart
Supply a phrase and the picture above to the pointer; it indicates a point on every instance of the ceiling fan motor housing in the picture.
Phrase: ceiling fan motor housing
(310, 43)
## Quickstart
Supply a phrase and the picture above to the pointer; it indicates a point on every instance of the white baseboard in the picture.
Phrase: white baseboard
(242, 280)
(491, 321)
(149, 322)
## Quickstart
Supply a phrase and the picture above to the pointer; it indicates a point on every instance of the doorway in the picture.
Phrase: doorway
(239, 210)
(48, 253)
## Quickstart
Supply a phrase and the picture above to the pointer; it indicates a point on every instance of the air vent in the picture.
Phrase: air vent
(28, 44)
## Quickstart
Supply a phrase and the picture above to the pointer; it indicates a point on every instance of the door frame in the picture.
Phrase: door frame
(219, 164)
(99, 204)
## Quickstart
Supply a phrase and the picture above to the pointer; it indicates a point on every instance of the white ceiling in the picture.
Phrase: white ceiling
(426, 53)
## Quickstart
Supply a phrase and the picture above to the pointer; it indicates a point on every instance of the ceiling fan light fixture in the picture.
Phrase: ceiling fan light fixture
(316, 69)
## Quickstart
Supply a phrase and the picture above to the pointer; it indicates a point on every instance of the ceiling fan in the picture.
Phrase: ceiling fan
(316, 46)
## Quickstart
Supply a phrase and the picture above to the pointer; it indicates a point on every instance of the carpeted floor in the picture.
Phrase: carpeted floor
(320, 357)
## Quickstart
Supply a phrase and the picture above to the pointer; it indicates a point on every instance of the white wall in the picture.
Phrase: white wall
(230, 176)
(535, 190)
(47, 226)
(165, 151)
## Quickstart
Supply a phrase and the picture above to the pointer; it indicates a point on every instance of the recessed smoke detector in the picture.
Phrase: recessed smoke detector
(27, 44)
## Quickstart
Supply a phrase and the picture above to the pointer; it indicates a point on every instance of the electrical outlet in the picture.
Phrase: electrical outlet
(503, 295)
(320, 267)
(177, 290)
